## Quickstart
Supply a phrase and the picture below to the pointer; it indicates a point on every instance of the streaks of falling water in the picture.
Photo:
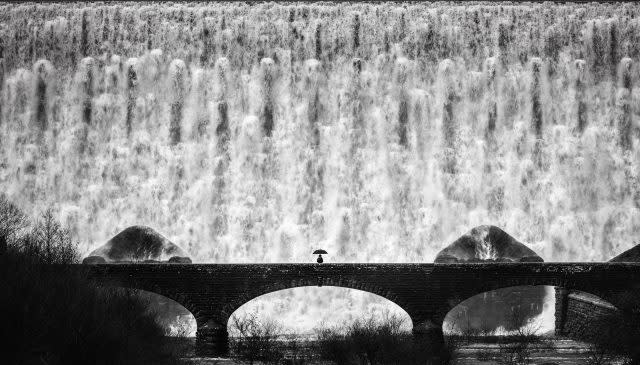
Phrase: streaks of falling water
(42, 71)
(489, 70)
(132, 92)
(268, 73)
(363, 127)
(579, 86)
(403, 108)
(536, 108)
(222, 147)
(624, 103)
(177, 77)
(85, 80)
(312, 81)
(449, 127)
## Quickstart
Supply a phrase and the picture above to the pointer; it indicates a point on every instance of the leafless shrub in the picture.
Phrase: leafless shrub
(517, 348)
(373, 341)
(255, 340)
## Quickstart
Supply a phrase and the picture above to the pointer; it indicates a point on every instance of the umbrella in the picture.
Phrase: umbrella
(320, 253)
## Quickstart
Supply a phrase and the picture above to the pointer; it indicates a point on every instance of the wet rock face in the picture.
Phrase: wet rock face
(487, 243)
(490, 311)
(138, 244)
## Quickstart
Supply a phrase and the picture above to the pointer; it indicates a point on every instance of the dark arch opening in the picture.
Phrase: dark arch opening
(172, 316)
(546, 319)
(499, 311)
(302, 309)
(502, 310)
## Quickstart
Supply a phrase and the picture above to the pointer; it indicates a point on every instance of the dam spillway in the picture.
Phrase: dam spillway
(380, 132)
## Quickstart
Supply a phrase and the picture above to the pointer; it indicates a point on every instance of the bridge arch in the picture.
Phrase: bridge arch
(376, 305)
(557, 281)
(171, 293)
(213, 336)
(336, 282)
(175, 318)
(568, 312)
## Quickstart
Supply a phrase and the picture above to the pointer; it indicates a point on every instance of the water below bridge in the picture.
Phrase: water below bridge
(559, 351)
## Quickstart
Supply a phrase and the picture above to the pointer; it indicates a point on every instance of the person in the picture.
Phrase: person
(320, 260)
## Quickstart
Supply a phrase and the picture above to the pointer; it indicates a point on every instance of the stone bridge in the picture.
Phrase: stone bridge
(427, 292)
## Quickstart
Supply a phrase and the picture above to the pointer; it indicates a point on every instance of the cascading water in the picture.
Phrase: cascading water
(381, 133)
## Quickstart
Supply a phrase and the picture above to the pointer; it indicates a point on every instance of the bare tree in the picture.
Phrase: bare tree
(50, 241)
(12, 220)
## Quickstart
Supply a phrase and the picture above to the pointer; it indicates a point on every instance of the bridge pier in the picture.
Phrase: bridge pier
(212, 339)
(562, 299)
(429, 333)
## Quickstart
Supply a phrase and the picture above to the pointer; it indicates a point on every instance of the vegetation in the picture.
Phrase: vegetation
(372, 341)
(518, 349)
(255, 340)
(54, 315)
(514, 347)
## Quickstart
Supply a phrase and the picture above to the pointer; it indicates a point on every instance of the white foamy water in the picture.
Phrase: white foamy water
(260, 133)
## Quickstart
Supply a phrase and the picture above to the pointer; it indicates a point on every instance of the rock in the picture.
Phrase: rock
(487, 243)
(179, 260)
(446, 259)
(531, 259)
(136, 244)
(92, 260)
(139, 244)
(630, 255)
(489, 311)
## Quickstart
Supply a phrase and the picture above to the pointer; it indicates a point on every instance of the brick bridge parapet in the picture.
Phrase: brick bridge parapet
(427, 292)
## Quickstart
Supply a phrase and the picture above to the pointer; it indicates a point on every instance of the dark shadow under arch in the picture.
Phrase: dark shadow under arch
(570, 308)
(173, 316)
(500, 310)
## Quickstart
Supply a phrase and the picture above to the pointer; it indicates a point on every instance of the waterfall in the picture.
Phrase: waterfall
(380, 132)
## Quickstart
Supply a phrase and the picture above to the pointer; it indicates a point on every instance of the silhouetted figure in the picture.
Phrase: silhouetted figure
(320, 253)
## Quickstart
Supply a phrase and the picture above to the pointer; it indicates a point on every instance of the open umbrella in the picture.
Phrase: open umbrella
(320, 253)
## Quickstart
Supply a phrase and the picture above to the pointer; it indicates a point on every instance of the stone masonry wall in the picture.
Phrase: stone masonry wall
(583, 315)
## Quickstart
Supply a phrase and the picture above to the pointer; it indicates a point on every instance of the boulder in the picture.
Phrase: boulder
(531, 259)
(92, 260)
(630, 255)
(179, 260)
(137, 244)
(446, 259)
(489, 311)
(487, 243)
